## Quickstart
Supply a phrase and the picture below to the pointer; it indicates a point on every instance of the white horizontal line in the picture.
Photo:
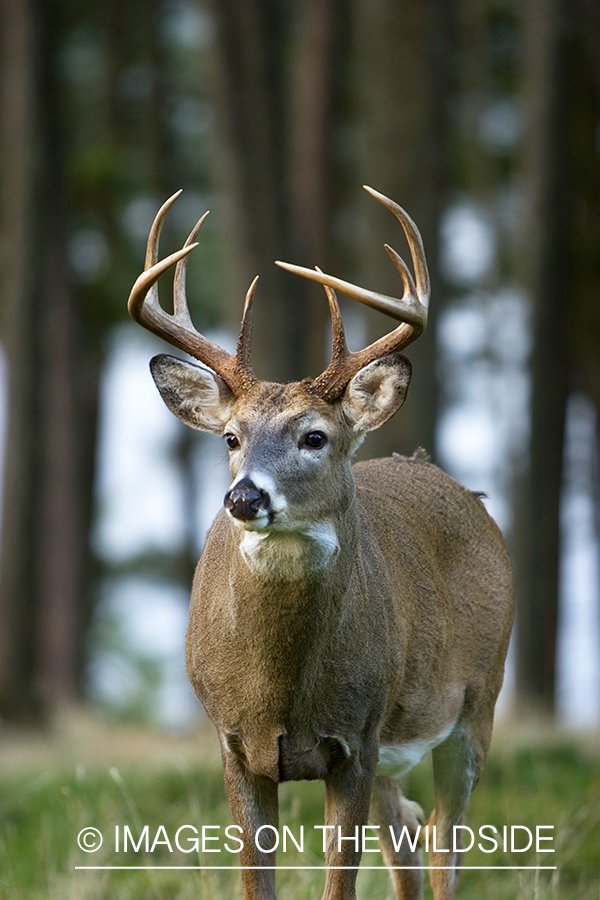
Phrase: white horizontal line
(320, 868)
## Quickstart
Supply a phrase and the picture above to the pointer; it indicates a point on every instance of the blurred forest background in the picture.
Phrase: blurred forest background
(481, 117)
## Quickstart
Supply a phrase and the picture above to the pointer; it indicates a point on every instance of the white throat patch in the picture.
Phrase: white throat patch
(287, 555)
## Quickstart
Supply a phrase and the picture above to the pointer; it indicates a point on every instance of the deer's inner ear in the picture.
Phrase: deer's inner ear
(196, 395)
(376, 392)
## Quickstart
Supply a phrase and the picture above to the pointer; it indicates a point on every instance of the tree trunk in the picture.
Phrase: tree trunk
(309, 168)
(19, 694)
(546, 266)
(275, 94)
(249, 103)
(403, 78)
(53, 388)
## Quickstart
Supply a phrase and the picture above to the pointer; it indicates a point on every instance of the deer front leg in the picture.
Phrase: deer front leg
(253, 802)
(347, 800)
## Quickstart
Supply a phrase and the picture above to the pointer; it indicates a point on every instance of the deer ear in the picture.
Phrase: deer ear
(196, 395)
(376, 392)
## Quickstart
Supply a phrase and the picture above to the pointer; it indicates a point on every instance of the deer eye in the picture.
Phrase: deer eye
(314, 440)
(232, 441)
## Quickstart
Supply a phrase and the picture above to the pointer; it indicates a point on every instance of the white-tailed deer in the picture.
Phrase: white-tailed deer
(344, 620)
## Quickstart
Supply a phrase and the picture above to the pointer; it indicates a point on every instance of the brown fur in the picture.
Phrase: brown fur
(406, 633)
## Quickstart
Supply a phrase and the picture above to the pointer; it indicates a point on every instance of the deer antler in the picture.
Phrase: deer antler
(410, 309)
(177, 329)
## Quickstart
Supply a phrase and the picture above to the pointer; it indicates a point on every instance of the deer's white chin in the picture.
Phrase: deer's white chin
(288, 554)
(259, 524)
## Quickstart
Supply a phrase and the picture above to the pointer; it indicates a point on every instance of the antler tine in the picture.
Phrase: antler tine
(410, 309)
(244, 345)
(339, 348)
(180, 306)
(144, 306)
(155, 230)
(415, 243)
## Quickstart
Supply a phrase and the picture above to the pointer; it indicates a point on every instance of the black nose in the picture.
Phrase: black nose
(245, 500)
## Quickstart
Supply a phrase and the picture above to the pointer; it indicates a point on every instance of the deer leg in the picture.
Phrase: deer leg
(390, 810)
(347, 799)
(457, 764)
(253, 802)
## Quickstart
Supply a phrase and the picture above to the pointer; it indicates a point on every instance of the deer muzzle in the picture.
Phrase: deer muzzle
(245, 500)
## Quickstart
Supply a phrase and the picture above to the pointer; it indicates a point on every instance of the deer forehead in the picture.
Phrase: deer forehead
(282, 409)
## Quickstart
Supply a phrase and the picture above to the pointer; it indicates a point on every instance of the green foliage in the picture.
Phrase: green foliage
(44, 810)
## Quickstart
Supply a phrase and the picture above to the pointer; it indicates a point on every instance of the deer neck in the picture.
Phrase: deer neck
(287, 595)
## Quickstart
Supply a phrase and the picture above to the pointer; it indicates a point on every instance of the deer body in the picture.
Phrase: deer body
(344, 619)
(374, 643)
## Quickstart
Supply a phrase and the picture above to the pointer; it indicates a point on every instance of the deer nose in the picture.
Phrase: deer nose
(245, 500)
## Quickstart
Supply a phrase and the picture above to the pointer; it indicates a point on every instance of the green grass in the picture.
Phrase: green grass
(45, 801)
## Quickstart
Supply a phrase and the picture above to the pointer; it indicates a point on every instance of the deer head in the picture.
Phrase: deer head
(290, 445)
